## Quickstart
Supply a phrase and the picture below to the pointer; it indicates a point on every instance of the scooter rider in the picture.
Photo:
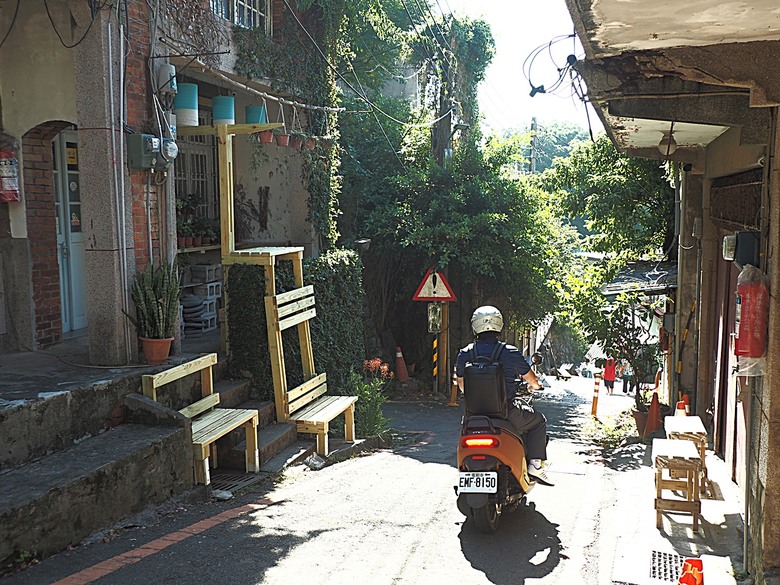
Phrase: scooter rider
(487, 323)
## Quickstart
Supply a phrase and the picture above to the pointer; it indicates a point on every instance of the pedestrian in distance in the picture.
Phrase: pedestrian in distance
(487, 324)
(628, 378)
(609, 375)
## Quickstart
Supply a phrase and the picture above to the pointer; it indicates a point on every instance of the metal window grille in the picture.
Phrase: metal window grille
(195, 170)
(245, 13)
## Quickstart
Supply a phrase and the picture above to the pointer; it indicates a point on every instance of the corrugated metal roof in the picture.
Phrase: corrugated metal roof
(651, 278)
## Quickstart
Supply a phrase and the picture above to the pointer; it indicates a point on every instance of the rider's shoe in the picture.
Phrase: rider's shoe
(538, 474)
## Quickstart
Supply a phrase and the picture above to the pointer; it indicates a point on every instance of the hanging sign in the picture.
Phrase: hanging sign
(434, 287)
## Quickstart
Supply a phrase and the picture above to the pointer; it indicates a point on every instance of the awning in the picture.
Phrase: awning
(650, 278)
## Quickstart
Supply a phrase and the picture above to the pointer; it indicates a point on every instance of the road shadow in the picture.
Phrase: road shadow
(627, 458)
(525, 546)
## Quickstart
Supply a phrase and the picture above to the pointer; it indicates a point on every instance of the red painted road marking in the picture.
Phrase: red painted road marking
(133, 556)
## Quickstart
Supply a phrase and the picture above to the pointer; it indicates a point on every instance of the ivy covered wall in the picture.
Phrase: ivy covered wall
(337, 330)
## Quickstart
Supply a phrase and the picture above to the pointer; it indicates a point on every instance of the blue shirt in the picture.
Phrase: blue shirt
(511, 358)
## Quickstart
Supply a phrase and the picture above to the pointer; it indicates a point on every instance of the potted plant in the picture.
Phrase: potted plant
(265, 136)
(296, 140)
(282, 138)
(155, 293)
(310, 143)
(184, 231)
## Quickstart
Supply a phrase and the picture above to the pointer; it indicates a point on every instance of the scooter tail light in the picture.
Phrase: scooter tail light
(480, 442)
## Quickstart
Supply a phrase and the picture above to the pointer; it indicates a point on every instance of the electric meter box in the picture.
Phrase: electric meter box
(143, 150)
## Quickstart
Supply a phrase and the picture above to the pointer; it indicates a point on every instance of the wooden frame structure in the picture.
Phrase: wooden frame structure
(311, 410)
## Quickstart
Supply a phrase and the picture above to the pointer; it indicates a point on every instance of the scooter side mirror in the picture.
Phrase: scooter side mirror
(537, 358)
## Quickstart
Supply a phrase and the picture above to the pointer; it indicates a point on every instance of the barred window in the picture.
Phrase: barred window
(245, 13)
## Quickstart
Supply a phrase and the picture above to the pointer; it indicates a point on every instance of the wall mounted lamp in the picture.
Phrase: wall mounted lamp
(668, 144)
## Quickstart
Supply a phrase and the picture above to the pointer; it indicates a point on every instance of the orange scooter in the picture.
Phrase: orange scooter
(493, 476)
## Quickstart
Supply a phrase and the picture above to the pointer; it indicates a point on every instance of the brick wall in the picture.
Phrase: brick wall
(39, 196)
(139, 114)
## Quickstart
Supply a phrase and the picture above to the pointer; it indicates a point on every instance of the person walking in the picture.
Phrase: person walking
(609, 375)
(628, 377)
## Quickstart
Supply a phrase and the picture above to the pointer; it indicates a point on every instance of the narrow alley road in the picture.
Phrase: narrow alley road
(387, 517)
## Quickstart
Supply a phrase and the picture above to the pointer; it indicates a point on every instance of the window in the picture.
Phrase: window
(245, 13)
(195, 174)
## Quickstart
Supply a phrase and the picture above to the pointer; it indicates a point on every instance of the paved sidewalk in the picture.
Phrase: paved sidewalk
(632, 516)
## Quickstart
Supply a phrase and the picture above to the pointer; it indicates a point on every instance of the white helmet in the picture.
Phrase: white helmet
(487, 318)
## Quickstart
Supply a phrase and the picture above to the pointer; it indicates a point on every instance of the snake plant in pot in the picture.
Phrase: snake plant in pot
(155, 293)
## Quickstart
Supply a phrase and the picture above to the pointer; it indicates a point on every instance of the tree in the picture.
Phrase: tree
(627, 203)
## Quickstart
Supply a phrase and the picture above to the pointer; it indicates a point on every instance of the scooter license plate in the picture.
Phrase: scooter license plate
(478, 482)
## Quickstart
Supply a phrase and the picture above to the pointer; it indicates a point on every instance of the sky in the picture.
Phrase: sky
(519, 27)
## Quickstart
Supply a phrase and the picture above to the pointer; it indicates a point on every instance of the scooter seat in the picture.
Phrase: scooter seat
(483, 423)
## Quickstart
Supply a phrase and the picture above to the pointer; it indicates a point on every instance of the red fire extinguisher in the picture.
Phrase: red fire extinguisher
(9, 173)
(752, 313)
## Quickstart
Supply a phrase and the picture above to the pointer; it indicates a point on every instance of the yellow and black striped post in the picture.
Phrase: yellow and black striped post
(435, 362)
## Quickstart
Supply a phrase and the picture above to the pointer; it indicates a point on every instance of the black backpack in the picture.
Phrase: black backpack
(484, 385)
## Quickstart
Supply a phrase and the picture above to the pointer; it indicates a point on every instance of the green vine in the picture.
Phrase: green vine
(292, 64)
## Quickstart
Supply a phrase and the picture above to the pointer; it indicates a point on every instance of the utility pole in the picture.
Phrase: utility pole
(442, 131)
(533, 146)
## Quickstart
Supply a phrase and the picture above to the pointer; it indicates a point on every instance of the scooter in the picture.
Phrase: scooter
(493, 474)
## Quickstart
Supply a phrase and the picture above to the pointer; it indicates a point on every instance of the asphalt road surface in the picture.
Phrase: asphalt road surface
(388, 517)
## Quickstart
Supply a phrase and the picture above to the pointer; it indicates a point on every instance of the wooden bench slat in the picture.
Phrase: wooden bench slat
(295, 307)
(185, 369)
(296, 319)
(307, 392)
(200, 406)
(294, 295)
(324, 410)
(218, 422)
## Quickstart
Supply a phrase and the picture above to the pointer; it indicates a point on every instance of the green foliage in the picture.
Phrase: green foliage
(155, 293)
(622, 324)
(612, 431)
(627, 202)
(337, 331)
(370, 387)
(552, 141)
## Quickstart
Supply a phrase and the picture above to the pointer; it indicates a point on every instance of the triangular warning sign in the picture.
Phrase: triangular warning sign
(434, 287)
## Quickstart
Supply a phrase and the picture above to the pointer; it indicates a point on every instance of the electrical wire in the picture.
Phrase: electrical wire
(347, 82)
(13, 21)
(59, 36)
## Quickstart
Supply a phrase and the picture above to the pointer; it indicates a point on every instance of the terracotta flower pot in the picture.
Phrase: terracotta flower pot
(180, 241)
(156, 350)
(197, 241)
(282, 139)
(296, 142)
(310, 143)
(266, 137)
(188, 241)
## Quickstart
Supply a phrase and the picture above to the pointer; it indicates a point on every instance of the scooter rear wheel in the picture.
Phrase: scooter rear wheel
(486, 517)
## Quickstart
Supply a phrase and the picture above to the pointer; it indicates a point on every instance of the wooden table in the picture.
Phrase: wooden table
(680, 456)
(690, 428)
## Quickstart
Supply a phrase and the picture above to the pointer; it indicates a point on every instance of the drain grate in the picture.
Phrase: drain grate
(232, 482)
(665, 566)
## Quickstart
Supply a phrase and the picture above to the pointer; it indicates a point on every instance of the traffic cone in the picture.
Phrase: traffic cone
(400, 366)
(653, 416)
(687, 402)
(692, 572)
(680, 410)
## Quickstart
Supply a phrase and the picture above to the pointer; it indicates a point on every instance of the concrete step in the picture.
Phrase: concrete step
(271, 440)
(291, 455)
(61, 498)
(232, 392)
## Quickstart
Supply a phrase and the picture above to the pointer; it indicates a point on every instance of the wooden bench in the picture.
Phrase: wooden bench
(306, 405)
(564, 371)
(682, 457)
(208, 422)
(690, 428)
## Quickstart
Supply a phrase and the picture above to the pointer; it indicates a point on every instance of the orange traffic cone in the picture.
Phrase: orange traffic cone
(687, 402)
(680, 410)
(692, 572)
(653, 416)
(400, 366)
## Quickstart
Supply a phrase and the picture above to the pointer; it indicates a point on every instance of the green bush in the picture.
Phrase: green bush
(336, 331)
